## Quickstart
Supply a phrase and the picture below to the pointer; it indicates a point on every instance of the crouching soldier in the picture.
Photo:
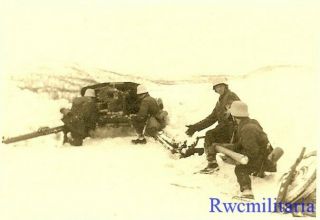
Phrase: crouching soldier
(252, 142)
(222, 133)
(81, 119)
(150, 118)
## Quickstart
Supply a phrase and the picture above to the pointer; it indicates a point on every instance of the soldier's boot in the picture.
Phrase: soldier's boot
(247, 194)
(76, 141)
(140, 140)
(210, 168)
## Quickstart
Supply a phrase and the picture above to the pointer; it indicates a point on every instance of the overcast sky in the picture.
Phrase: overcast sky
(159, 38)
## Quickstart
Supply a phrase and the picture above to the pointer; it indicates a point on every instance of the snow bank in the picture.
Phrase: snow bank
(111, 179)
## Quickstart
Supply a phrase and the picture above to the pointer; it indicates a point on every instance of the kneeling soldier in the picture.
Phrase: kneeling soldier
(252, 142)
(81, 119)
(150, 116)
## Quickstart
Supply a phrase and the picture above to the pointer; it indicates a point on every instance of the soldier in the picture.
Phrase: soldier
(81, 120)
(222, 133)
(252, 142)
(149, 116)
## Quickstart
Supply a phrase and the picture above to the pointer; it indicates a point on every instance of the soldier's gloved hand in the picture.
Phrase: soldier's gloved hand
(191, 130)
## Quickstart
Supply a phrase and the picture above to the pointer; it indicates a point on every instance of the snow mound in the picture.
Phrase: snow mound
(112, 179)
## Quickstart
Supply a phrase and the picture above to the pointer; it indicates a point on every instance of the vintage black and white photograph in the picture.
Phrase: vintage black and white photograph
(158, 109)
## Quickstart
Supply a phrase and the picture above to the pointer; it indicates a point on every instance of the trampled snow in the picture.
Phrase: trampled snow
(108, 178)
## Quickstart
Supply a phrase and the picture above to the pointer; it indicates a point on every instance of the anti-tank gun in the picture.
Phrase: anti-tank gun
(115, 102)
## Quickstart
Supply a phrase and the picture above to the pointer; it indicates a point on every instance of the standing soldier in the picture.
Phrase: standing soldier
(150, 116)
(222, 133)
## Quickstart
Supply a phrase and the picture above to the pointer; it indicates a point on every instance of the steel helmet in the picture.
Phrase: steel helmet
(141, 89)
(219, 80)
(239, 109)
(90, 93)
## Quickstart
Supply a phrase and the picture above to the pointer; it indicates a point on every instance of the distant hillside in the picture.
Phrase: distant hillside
(66, 82)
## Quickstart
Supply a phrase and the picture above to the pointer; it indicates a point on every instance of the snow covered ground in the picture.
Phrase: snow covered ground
(112, 179)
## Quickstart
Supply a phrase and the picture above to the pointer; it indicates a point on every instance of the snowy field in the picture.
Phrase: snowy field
(111, 179)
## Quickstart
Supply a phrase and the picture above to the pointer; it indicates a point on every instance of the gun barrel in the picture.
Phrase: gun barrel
(32, 135)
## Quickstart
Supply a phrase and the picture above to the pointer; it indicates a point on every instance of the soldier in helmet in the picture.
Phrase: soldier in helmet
(222, 133)
(149, 116)
(81, 119)
(252, 142)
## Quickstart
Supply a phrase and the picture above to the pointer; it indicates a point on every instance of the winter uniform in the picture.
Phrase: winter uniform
(252, 142)
(222, 133)
(81, 119)
(147, 115)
